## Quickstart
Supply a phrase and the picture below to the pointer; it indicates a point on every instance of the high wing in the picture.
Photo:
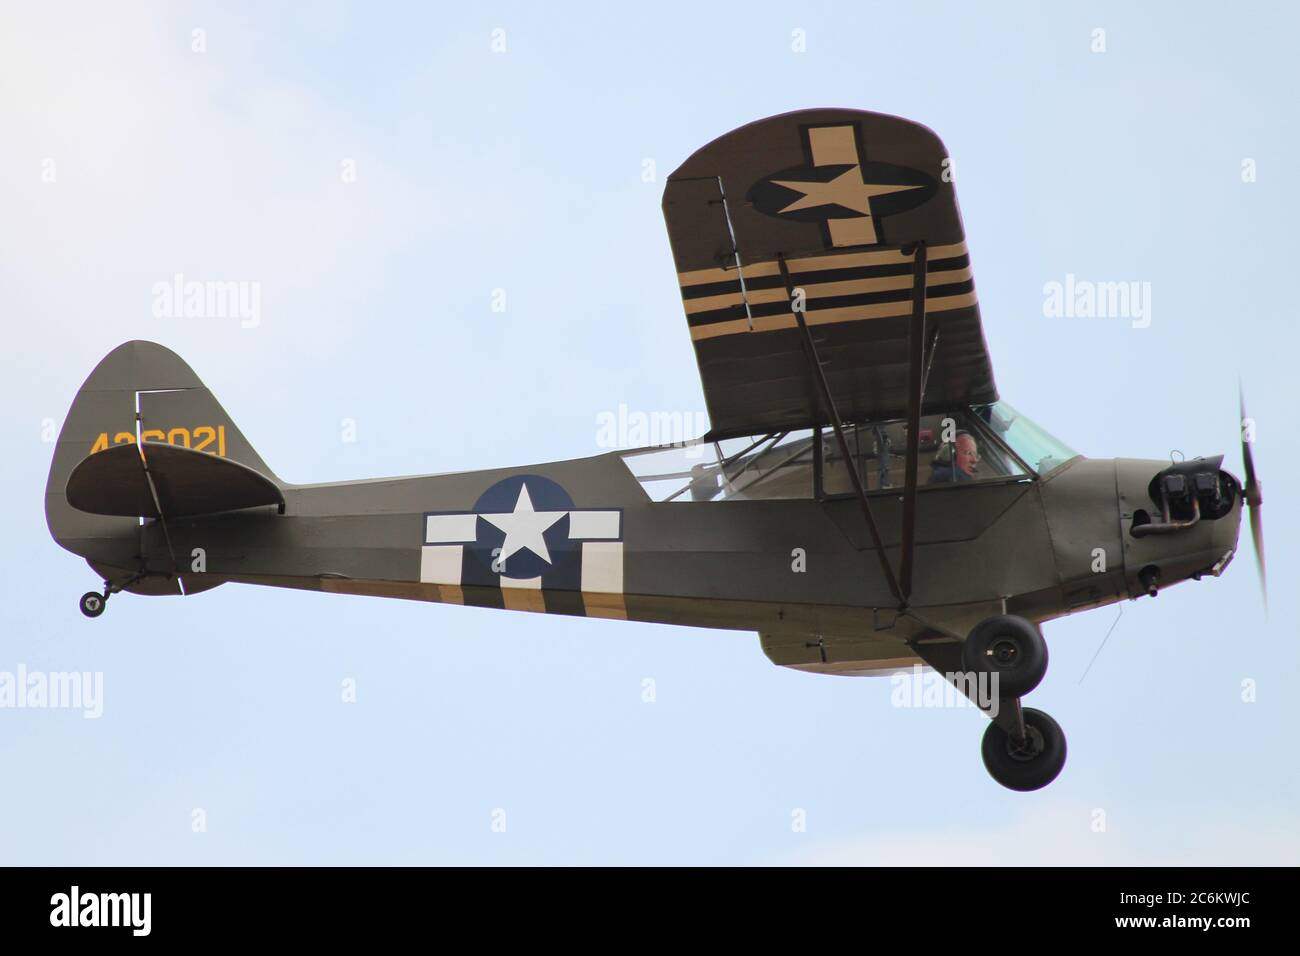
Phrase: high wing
(841, 199)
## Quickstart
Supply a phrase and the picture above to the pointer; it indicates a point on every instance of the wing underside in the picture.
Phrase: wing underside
(841, 199)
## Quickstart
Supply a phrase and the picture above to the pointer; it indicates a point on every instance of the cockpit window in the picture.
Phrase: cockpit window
(778, 465)
(987, 442)
(952, 450)
(1036, 447)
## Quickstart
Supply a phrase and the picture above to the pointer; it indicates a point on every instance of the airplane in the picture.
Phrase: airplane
(864, 500)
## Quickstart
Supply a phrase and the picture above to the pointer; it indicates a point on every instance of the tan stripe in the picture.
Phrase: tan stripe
(755, 297)
(411, 590)
(450, 594)
(704, 276)
(610, 606)
(714, 329)
(852, 313)
(524, 598)
(852, 260)
(833, 146)
(822, 290)
(765, 296)
(859, 231)
(757, 270)
(710, 302)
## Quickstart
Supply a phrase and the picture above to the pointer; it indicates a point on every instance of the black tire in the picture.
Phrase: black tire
(1010, 647)
(1029, 767)
(93, 604)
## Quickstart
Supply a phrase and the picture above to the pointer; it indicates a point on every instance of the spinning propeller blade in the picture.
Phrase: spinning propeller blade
(1253, 493)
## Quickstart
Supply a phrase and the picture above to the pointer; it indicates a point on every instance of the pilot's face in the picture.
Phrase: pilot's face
(968, 455)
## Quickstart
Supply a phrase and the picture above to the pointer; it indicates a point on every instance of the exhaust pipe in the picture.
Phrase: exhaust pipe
(1150, 579)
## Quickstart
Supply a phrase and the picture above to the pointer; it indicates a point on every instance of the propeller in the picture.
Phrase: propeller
(1252, 493)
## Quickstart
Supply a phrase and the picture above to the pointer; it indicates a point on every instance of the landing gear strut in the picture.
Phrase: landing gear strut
(1023, 748)
(92, 603)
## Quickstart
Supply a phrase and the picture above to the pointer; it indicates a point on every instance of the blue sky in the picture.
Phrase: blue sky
(522, 171)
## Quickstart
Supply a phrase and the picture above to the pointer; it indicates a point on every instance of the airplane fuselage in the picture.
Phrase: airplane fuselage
(801, 572)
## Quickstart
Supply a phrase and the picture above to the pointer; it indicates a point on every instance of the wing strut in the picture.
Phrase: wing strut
(915, 389)
(819, 374)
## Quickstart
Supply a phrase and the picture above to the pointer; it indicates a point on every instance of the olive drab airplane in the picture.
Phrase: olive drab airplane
(863, 500)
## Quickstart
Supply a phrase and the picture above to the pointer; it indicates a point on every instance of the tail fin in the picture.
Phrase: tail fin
(140, 391)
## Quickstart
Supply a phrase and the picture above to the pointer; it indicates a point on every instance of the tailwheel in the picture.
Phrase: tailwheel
(93, 603)
(1028, 763)
(1009, 648)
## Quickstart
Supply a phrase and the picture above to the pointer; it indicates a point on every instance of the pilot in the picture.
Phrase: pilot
(704, 483)
(958, 461)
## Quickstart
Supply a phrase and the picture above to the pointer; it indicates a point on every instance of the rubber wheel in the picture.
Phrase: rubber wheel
(93, 604)
(1032, 765)
(1010, 647)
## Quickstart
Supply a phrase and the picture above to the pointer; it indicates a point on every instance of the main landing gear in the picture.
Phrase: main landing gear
(1009, 652)
(1029, 760)
(93, 603)
(1023, 748)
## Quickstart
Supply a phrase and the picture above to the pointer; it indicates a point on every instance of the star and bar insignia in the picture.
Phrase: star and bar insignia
(841, 189)
(523, 535)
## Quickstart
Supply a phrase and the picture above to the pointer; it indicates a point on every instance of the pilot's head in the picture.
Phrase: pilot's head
(967, 455)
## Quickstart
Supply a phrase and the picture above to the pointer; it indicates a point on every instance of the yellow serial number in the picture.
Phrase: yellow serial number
(209, 438)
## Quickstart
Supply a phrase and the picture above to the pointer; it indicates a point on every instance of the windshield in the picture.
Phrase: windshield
(1032, 443)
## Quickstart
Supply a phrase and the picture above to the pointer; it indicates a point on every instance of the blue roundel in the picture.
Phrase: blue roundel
(523, 528)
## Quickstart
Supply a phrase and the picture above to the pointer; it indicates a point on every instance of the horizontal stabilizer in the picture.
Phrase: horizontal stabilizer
(185, 482)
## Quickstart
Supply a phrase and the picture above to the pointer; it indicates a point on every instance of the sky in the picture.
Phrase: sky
(452, 217)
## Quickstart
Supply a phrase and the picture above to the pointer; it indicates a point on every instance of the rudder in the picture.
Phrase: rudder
(141, 391)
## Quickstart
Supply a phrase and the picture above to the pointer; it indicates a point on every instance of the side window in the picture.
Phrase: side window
(952, 449)
(875, 452)
(782, 468)
(738, 469)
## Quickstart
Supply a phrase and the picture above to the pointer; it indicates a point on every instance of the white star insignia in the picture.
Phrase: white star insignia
(524, 527)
